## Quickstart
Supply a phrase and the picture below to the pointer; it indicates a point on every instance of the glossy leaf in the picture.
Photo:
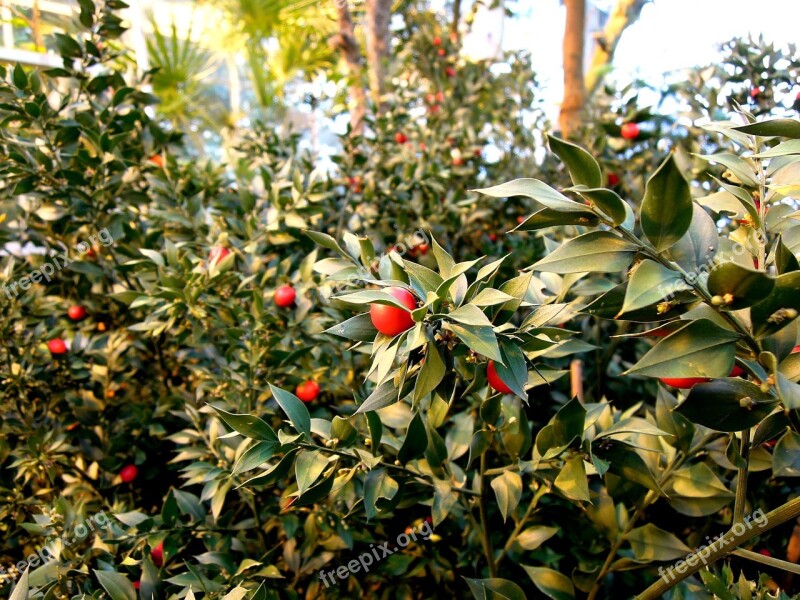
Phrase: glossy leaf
(666, 212)
(745, 286)
(596, 251)
(582, 166)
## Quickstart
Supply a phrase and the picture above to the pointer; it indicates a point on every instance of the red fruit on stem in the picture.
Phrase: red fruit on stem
(440, 96)
(285, 295)
(495, 381)
(217, 255)
(76, 313)
(400, 138)
(307, 391)
(683, 383)
(755, 92)
(128, 473)
(441, 52)
(392, 320)
(520, 220)
(630, 131)
(434, 108)
(613, 179)
(450, 72)
(157, 554)
(136, 585)
(437, 41)
(57, 346)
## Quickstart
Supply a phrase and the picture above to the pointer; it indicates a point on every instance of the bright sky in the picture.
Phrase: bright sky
(670, 35)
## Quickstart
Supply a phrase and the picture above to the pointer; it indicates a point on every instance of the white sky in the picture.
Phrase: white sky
(670, 35)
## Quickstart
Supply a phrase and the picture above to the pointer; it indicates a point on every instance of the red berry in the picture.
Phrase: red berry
(434, 108)
(613, 179)
(683, 383)
(423, 146)
(76, 313)
(307, 391)
(400, 138)
(136, 585)
(795, 350)
(430, 98)
(755, 92)
(437, 41)
(458, 161)
(630, 131)
(492, 237)
(157, 160)
(285, 295)
(737, 371)
(422, 248)
(217, 254)
(128, 473)
(391, 320)
(495, 381)
(57, 346)
(765, 552)
(440, 96)
(450, 72)
(157, 554)
(520, 219)
(441, 52)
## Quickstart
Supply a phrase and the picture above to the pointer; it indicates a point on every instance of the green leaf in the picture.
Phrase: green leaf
(571, 480)
(384, 395)
(608, 201)
(117, 586)
(508, 491)
(696, 491)
(343, 431)
(494, 589)
(649, 543)
(699, 244)
(788, 128)
(326, 241)
(444, 498)
(490, 297)
(422, 278)
(730, 404)
(308, 467)
(22, 588)
(480, 339)
(431, 374)
(700, 349)
(513, 370)
(19, 77)
(786, 456)
(248, 425)
(470, 315)
(568, 423)
(624, 462)
(415, 442)
(666, 212)
(596, 251)
(536, 190)
(582, 166)
(551, 583)
(254, 457)
(741, 168)
(547, 217)
(651, 282)
(772, 314)
(274, 473)
(533, 537)
(294, 409)
(358, 328)
(378, 485)
(746, 286)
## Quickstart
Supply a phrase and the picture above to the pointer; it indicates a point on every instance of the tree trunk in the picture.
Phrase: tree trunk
(345, 41)
(456, 18)
(378, 17)
(625, 12)
(574, 96)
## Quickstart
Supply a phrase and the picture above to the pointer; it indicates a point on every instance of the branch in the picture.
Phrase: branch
(625, 12)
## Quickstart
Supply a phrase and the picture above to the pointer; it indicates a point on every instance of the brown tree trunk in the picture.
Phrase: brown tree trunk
(574, 95)
(623, 14)
(345, 41)
(378, 16)
(456, 18)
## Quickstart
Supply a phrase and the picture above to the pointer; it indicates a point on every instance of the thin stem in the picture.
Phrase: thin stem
(521, 523)
(767, 560)
(741, 483)
(485, 536)
(721, 548)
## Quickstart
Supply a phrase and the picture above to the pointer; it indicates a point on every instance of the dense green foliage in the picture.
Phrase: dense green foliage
(639, 263)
